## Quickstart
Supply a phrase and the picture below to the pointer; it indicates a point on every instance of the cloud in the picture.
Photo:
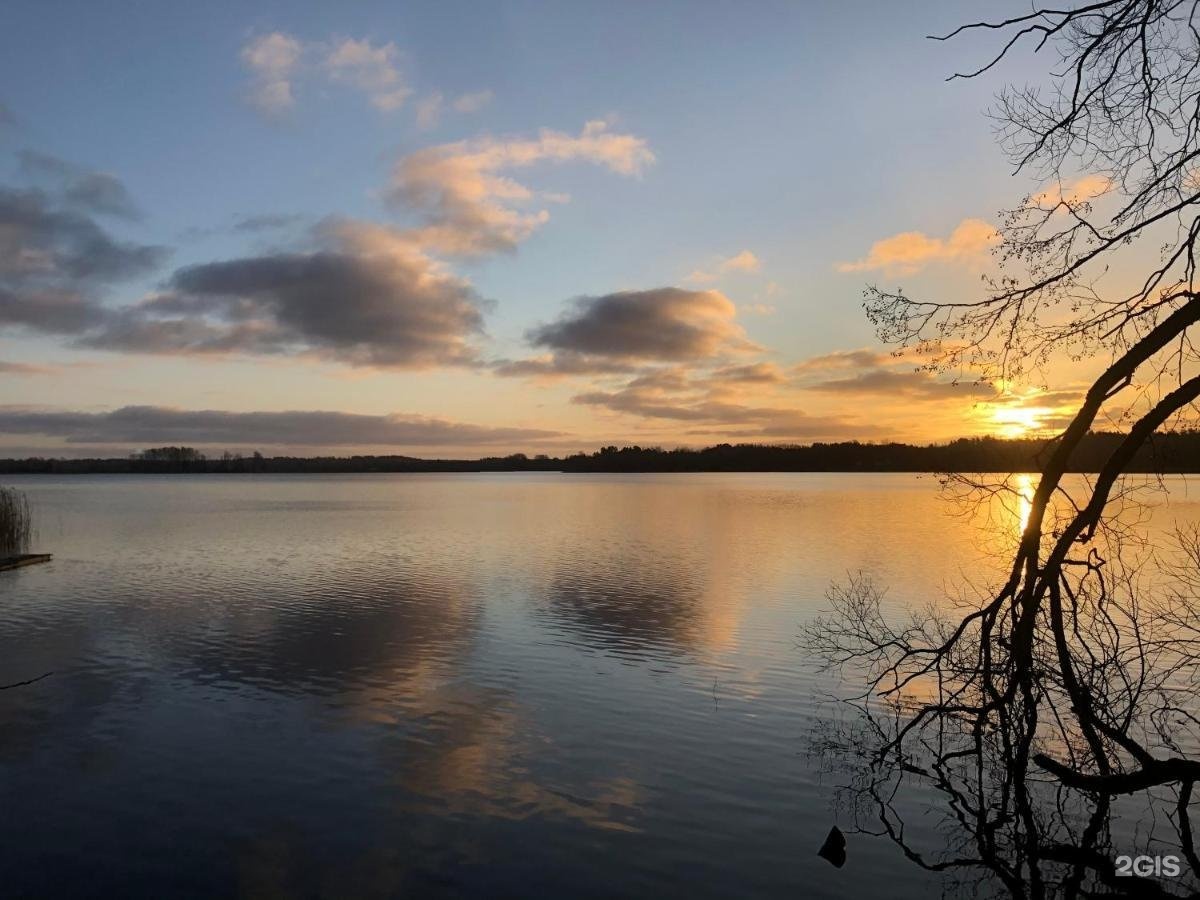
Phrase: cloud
(663, 324)
(41, 242)
(910, 251)
(618, 333)
(356, 293)
(7, 119)
(729, 400)
(80, 188)
(367, 297)
(273, 60)
(374, 70)
(150, 425)
(1079, 191)
(741, 262)
(870, 372)
(559, 365)
(755, 373)
(54, 261)
(674, 347)
(14, 368)
(1031, 411)
(266, 222)
(744, 261)
(844, 359)
(277, 61)
(468, 203)
(48, 311)
(473, 102)
(429, 110)
(669, 400)
(1068, 398)
(764, 400)
(905, 384)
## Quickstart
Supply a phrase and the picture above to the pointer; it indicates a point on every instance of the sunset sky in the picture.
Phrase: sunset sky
(461, 229)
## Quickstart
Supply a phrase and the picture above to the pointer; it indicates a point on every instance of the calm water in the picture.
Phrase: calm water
(512, 685)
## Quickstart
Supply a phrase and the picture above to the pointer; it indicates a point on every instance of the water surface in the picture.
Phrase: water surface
(460, 685)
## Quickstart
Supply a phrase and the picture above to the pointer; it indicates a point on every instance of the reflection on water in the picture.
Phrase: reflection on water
(442, 686)
(1025, 486)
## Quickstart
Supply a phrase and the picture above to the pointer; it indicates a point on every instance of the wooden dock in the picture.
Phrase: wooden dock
(25, 559)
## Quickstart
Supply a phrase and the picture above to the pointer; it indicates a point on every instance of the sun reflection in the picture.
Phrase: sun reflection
(1024, 486)
(1006, 513)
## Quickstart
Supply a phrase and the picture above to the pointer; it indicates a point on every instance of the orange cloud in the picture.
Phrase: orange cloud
(16, 368)
(845, 359)
(1087, 188)
(742, 262)
(739, 262)
(473, 207)
(910, 251)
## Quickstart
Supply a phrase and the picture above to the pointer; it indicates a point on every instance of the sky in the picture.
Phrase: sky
(458, 229)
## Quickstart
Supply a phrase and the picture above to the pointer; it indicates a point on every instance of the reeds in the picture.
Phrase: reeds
(16, 522)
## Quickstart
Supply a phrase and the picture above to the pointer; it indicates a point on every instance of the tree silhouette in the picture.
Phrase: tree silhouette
(1062, 688)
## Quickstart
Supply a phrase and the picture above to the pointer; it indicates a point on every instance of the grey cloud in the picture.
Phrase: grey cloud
(653, 400)
(668, 324)
(640, 404)
(48, 311)
(163, 425)
(755, 373)
(252, 224)
(799, 427)
(54, 261)
(559, 365)
(7, 118)
(363, 308)
(618, 333)
(86, 190)
(912, 384)
(40, 243)
(14, 368)
(132, 330)
(845, 359)
(266, 222)
(676, 379)
(368, 298)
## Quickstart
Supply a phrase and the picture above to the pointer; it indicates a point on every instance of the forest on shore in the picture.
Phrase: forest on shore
(1171, 452)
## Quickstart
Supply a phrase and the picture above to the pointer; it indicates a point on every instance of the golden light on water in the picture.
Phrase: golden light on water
(1025, 485)
(1002, 519)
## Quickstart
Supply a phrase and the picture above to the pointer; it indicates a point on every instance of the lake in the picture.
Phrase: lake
(461, 685)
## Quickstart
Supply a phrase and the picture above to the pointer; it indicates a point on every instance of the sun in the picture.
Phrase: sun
(1019, 421)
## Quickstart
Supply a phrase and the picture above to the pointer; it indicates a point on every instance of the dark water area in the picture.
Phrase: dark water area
(511, 685)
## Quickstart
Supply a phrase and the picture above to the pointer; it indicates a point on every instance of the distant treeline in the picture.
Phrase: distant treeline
(1170, 452)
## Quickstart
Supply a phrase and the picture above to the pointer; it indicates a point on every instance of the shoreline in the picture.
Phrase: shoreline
(23, 559)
